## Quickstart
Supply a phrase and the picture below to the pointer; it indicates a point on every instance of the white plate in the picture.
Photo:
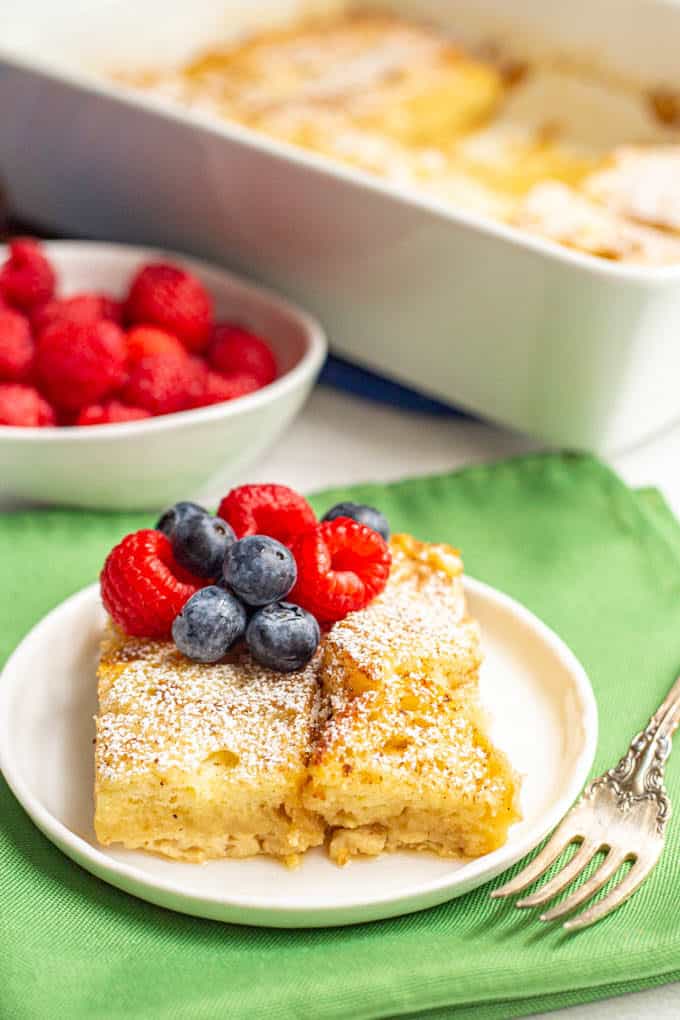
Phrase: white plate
(544, 716)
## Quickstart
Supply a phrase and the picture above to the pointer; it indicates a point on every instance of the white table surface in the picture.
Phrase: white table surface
(339, 439)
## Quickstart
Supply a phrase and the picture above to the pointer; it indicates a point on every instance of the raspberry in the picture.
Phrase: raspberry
(109, 413)
(82, 308)
(197, 380)
(342, 566)
(143, 341)
(143, 587)
(218, 388)
(66, 418)
(27, 278)
(273, 510)
(170, 297)
(164, 383)
(16, 345)
(79, 363)
(23, 405)
(112, 308)
(234, 349)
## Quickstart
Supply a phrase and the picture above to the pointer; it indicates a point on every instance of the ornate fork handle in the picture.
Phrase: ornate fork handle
(622, 813)
(639, 775)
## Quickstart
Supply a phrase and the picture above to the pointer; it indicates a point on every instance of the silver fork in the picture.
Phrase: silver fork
(623, 812)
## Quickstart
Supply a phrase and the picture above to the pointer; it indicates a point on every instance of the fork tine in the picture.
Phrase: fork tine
(564, 876)
(625, 888)
(550, 852)
(607, 870)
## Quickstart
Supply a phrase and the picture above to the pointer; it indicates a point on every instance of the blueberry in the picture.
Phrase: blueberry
(283, 636)
(259, 570)
(367, 515)
(169, 520)
(211, 621)
(200, 543)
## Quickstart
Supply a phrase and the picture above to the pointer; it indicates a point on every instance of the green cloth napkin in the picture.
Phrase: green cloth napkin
(599, 563)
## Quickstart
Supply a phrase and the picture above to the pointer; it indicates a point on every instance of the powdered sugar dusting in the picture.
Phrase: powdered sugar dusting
(562, 214)
(396, 97)
(401, 680)
(643, 184)
(414, 734)
(160, 712)
(348, 87)
(418, 622)
(316, 62)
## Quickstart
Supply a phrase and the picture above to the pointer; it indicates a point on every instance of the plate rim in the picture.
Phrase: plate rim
(235, 909)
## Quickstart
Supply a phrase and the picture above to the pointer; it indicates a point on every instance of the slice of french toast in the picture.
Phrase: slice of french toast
(410, 766)
(197, 761)
(403, 759)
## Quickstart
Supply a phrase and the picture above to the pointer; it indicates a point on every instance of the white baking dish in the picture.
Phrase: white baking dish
(575, 350)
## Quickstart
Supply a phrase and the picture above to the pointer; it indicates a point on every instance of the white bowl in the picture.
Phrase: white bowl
(148, 464)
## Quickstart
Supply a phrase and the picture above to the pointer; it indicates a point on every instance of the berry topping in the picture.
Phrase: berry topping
(218, 388)
(79, 363)
(367, 515)
(259, 570)
(111, 412)
(273, 510)
(209, 624)
(111, 308)
(161, 383)
(235, 350)
(342, 566)
(282, 636)
(82, 308)
(27, 278)
(197, 374)
(171, 517)
(16, 346)
(23, 405)
(143, 587)
(200, 543)
(174, 299)
(143, 341)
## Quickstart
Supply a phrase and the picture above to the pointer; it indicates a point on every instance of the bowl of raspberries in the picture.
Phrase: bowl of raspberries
(129, 376)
